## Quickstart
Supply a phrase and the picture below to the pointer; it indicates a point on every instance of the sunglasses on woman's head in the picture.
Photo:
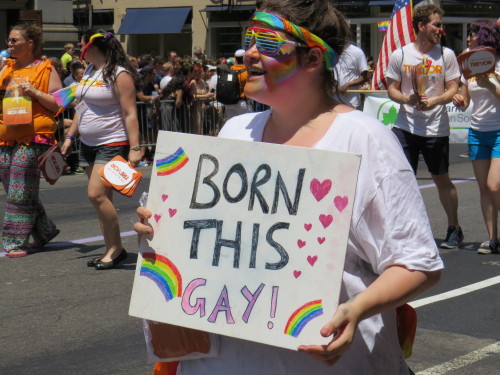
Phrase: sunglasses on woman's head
(268, 42)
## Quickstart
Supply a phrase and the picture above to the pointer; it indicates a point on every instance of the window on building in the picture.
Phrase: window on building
(226, 41)
(101, 19)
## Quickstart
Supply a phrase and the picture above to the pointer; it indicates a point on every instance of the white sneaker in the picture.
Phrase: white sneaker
(488, 247)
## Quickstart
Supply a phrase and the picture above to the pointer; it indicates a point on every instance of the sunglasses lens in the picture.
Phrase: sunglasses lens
(268, 42)
(248, 40)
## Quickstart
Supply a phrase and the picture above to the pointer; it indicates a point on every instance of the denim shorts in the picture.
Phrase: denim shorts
(90, 155)
(435, 150)
(484, 145)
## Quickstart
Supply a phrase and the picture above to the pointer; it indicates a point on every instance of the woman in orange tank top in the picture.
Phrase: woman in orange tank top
(25, 75)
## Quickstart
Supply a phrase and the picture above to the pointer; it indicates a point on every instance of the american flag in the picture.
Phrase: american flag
(399, 33)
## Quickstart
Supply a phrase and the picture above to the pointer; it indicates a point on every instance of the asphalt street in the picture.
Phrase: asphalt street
(57, 316)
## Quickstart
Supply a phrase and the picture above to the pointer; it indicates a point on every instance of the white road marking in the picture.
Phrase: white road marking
(455, 292)
(454, 181)
(462, 361)
(469, 358)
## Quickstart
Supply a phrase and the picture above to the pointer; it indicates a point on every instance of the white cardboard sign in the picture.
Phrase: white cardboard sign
(250, 238)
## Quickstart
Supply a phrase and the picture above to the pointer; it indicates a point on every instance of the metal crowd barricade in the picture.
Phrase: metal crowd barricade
(204, 117)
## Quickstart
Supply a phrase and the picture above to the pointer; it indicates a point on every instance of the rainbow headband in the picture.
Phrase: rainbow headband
(91, 40)
(329, 55)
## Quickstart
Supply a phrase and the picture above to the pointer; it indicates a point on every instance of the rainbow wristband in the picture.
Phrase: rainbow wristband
(68, 136)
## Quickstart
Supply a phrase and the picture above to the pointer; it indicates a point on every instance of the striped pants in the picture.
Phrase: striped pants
(24, 213)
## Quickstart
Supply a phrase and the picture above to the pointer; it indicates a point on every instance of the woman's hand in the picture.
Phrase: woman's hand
(141, 227)
(342, 326)
(66, 147)
(134, 157)
(458, 100)
(484, 82)
(29, 90)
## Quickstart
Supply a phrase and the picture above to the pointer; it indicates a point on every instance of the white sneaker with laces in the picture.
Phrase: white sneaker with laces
(488, 247)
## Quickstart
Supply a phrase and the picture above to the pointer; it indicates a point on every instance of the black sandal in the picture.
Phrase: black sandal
(109, 265)
(93, 262)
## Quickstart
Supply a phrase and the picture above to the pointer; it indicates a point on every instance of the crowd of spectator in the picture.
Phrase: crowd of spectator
(175, 93)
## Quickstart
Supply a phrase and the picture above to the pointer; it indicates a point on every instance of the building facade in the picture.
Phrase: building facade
(54, 16)
(217, 26)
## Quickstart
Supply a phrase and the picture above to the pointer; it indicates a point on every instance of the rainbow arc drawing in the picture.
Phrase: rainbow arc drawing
(171, 163)
(303, 315)
(163, 273)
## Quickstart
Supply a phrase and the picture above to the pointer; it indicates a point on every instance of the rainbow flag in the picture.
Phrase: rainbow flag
(64, 97)
(383, 26)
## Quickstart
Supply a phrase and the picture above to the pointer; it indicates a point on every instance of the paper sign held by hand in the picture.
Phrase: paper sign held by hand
(477, 61)
(119, 175)
(236, 250)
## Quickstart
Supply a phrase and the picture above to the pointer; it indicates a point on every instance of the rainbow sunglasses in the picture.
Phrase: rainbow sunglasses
(279, 23)
(268, 42)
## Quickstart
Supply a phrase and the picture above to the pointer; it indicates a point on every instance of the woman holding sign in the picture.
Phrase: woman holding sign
(106, 119)
(484, 133)
(27, 127)
(292, 47)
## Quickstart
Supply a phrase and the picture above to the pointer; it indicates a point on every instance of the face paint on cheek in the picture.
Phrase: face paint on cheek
(281, 69)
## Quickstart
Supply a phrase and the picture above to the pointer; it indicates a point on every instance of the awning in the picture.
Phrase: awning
(154, 20)
(224, 8)
(381, 2)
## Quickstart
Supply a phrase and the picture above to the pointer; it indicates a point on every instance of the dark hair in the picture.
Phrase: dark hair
(115, 55)
(488, 34)
(75, 65)
(158, 60)
(147, 70)
(422, 13)
(319, 17)
(34, 33)
(178, 82)
(142, 64)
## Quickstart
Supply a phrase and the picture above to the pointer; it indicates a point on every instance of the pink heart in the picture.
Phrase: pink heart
(157, 217)
(321, 240)
(312, 260)
(172, 211)
(326, 220)
(340, 202)
(320, 189)
(308, 227)
(164, 197)
(301, 244)
(297, 274)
